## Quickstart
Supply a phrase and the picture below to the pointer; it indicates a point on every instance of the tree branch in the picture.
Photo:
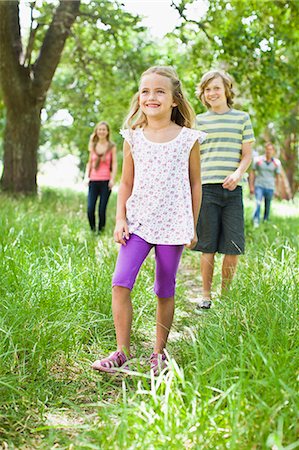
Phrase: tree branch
(51, 50)
(181, 8)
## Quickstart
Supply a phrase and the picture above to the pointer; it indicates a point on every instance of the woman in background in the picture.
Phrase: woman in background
(101, 171)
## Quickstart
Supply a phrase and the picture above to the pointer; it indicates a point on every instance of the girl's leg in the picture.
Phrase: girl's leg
(104, 197)
(167, 263)
(129, 261)
(93, 193)
(122, 316)
(268, 197)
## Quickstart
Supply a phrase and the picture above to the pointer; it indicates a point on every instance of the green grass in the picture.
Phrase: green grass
(234, 377)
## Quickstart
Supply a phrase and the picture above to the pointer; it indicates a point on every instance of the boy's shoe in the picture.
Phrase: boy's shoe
(158, 362)
(256, 223)
(110, 364)
(204, 303)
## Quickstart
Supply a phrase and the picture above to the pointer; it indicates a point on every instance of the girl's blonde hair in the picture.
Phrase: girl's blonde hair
(182, 114)
(207, 78)
(94, 139)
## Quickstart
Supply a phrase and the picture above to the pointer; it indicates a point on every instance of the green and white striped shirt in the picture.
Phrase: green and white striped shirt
(222, 149)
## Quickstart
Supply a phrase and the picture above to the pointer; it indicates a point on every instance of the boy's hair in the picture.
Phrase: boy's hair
(182, 114)
(207, 78)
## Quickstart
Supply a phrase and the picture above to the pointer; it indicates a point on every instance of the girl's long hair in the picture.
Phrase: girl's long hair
(94, 139)
(228, 86)
(182, 114)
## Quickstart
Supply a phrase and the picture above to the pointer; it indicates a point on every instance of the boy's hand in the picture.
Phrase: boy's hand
(192, 243)
(121, 232)
(231, 181)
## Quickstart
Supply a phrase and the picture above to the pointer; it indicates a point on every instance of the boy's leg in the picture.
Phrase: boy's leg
(93, 193)
(268, 193)
(167, 263)
(129, 261)
(229, 267)
(207, 270)
(258, 192)
(232, 241)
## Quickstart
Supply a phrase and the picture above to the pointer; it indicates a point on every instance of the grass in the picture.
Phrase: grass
(233, 382)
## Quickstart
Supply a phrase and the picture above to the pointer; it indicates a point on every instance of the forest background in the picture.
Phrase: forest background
(233, 378)
(95, 71)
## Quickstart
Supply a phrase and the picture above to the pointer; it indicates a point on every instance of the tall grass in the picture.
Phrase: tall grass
(233, 382)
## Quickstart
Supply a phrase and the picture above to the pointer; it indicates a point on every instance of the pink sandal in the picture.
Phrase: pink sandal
(158, 363)
(114, 361)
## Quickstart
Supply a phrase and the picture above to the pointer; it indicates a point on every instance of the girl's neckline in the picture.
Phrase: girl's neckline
(161, 143)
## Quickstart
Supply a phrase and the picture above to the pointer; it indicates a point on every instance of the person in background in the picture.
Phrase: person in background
(101, 171)
(225, 156)
(158, 203)
(266, 171)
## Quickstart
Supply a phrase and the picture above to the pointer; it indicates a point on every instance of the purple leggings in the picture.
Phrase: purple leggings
(131, 257)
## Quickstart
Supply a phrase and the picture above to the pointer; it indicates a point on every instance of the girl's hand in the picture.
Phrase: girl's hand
(111, 184)
(193, 242)
(121, 232)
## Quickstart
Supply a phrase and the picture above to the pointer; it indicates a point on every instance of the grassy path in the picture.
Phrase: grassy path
(234, 377)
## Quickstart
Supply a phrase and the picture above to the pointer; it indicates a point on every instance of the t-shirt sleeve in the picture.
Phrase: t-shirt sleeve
(248, 135)
(127, 135)
(278, 167)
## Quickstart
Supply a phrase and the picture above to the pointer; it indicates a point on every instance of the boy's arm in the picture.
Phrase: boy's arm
(231, 181)
(121, 230)
(195, 184)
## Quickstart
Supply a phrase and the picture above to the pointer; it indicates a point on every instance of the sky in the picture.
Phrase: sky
(159, 16)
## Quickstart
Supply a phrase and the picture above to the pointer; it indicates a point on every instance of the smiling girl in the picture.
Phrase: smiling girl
(158, 204)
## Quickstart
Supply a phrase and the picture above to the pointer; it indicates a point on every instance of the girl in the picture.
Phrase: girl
(101, 170)
(158, 204)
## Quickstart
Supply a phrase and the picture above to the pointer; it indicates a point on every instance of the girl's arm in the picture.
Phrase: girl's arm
(121, 231)
(88, 167)
(114, 167)
(195, 184)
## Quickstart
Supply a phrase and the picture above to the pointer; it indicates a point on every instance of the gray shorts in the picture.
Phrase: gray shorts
(220, 226)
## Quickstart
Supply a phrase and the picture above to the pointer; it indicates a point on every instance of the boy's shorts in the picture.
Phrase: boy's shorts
(220, 226)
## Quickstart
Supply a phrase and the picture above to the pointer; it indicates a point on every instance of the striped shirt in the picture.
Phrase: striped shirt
(221, 152)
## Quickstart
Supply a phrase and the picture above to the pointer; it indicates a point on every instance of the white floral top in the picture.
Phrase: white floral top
(159, 209)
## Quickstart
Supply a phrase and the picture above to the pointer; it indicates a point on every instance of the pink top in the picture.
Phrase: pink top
(159, 209)
(103, 171)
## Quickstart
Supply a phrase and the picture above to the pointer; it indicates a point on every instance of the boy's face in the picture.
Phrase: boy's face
(269, 151)
(214, 93)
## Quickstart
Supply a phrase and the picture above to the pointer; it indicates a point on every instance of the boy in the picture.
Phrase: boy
(225, 156)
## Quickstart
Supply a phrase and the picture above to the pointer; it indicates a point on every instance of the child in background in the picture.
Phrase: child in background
(158, 204)
(266, 170)
(225, 156)
(101, 170)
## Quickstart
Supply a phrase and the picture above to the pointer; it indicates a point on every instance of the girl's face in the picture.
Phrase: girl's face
(102, 131)
(155, 96)
(214, 93)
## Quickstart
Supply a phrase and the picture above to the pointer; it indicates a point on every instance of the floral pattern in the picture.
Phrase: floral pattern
(159, 209)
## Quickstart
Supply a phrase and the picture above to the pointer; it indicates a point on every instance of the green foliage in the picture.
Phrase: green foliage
(233, 382)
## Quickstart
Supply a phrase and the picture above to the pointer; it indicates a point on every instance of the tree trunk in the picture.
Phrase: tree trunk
(25, 88)
(20, 150)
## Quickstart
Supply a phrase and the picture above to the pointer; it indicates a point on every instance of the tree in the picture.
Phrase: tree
(24, 89)
(257, 43)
